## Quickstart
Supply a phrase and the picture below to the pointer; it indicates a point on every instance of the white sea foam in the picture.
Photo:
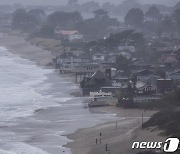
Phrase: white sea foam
(22, 148)
(21, 93)
(18, 97)
(6, 152)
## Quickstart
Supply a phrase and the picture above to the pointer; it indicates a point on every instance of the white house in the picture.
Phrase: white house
(75, 37)
(127, 48)
(98, 57)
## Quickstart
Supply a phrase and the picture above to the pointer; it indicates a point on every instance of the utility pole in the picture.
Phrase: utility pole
(142, 119)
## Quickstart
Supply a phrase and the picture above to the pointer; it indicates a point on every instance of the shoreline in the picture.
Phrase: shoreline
(119, 137)
(18, 45)
(81, 141)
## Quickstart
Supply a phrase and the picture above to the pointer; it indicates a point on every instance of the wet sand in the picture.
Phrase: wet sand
(17, 44)
(119, 135)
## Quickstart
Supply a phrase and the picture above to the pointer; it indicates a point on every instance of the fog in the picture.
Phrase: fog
(63, 2)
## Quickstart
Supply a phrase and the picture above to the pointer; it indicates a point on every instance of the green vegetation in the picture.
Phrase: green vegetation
(173, 98)
(123, 63)
(63, 20)
(177, 17)
(153, 13)
(46, 31)
(96, 27)
(28, 21)
(134, 17)
(128, 37)
(166, 120)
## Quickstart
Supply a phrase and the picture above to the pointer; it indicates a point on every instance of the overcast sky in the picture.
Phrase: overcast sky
(62, 2)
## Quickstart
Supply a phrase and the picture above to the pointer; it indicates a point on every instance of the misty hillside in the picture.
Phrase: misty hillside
(62, 2)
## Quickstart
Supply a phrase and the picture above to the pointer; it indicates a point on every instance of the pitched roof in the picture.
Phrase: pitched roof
(63, 32)
(140, 84)
(99, 75)
(94, 81)
(91, 82)
(144, 72)
(67, 55)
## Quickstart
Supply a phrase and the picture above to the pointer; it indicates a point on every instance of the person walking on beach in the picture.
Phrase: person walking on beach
(106, 147)
(100, 137)
(96, 140)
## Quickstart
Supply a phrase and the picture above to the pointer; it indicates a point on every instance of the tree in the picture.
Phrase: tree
(130, 89)
(120, 95)
(134, 17)
(134, 81)
(138, 39)
(161, 73)
(19, 17)
(64, 20)
(100, 14)
(177, 6)
(24, 21)
(39, 15)
(127, 5)
(89, 7)
(153, 13)
(128, 37)
(167, 24)
(122, 63)
(37, 12)
(72, 2)
(173, 97)
(177, 17)
(111, 8)
(72, 5)
(96, 27)
(89, 28)
(46, 31)
(178, 53)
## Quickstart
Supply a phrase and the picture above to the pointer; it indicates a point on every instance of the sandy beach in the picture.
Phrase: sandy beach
(17, 44)
(118, 137)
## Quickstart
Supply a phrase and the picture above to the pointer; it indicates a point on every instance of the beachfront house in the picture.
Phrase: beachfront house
(143, 75)
(68, 62)
(65, 62)
(147, 90)
(94, 83)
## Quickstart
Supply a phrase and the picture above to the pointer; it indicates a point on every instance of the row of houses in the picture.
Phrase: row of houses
(101, 81)
(96, 72)
(67, 62)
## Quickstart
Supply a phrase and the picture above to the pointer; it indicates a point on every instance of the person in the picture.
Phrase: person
(96, 140)
(106, 147)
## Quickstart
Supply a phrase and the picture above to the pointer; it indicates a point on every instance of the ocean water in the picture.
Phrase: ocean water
(18, 97)
(26, 88)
